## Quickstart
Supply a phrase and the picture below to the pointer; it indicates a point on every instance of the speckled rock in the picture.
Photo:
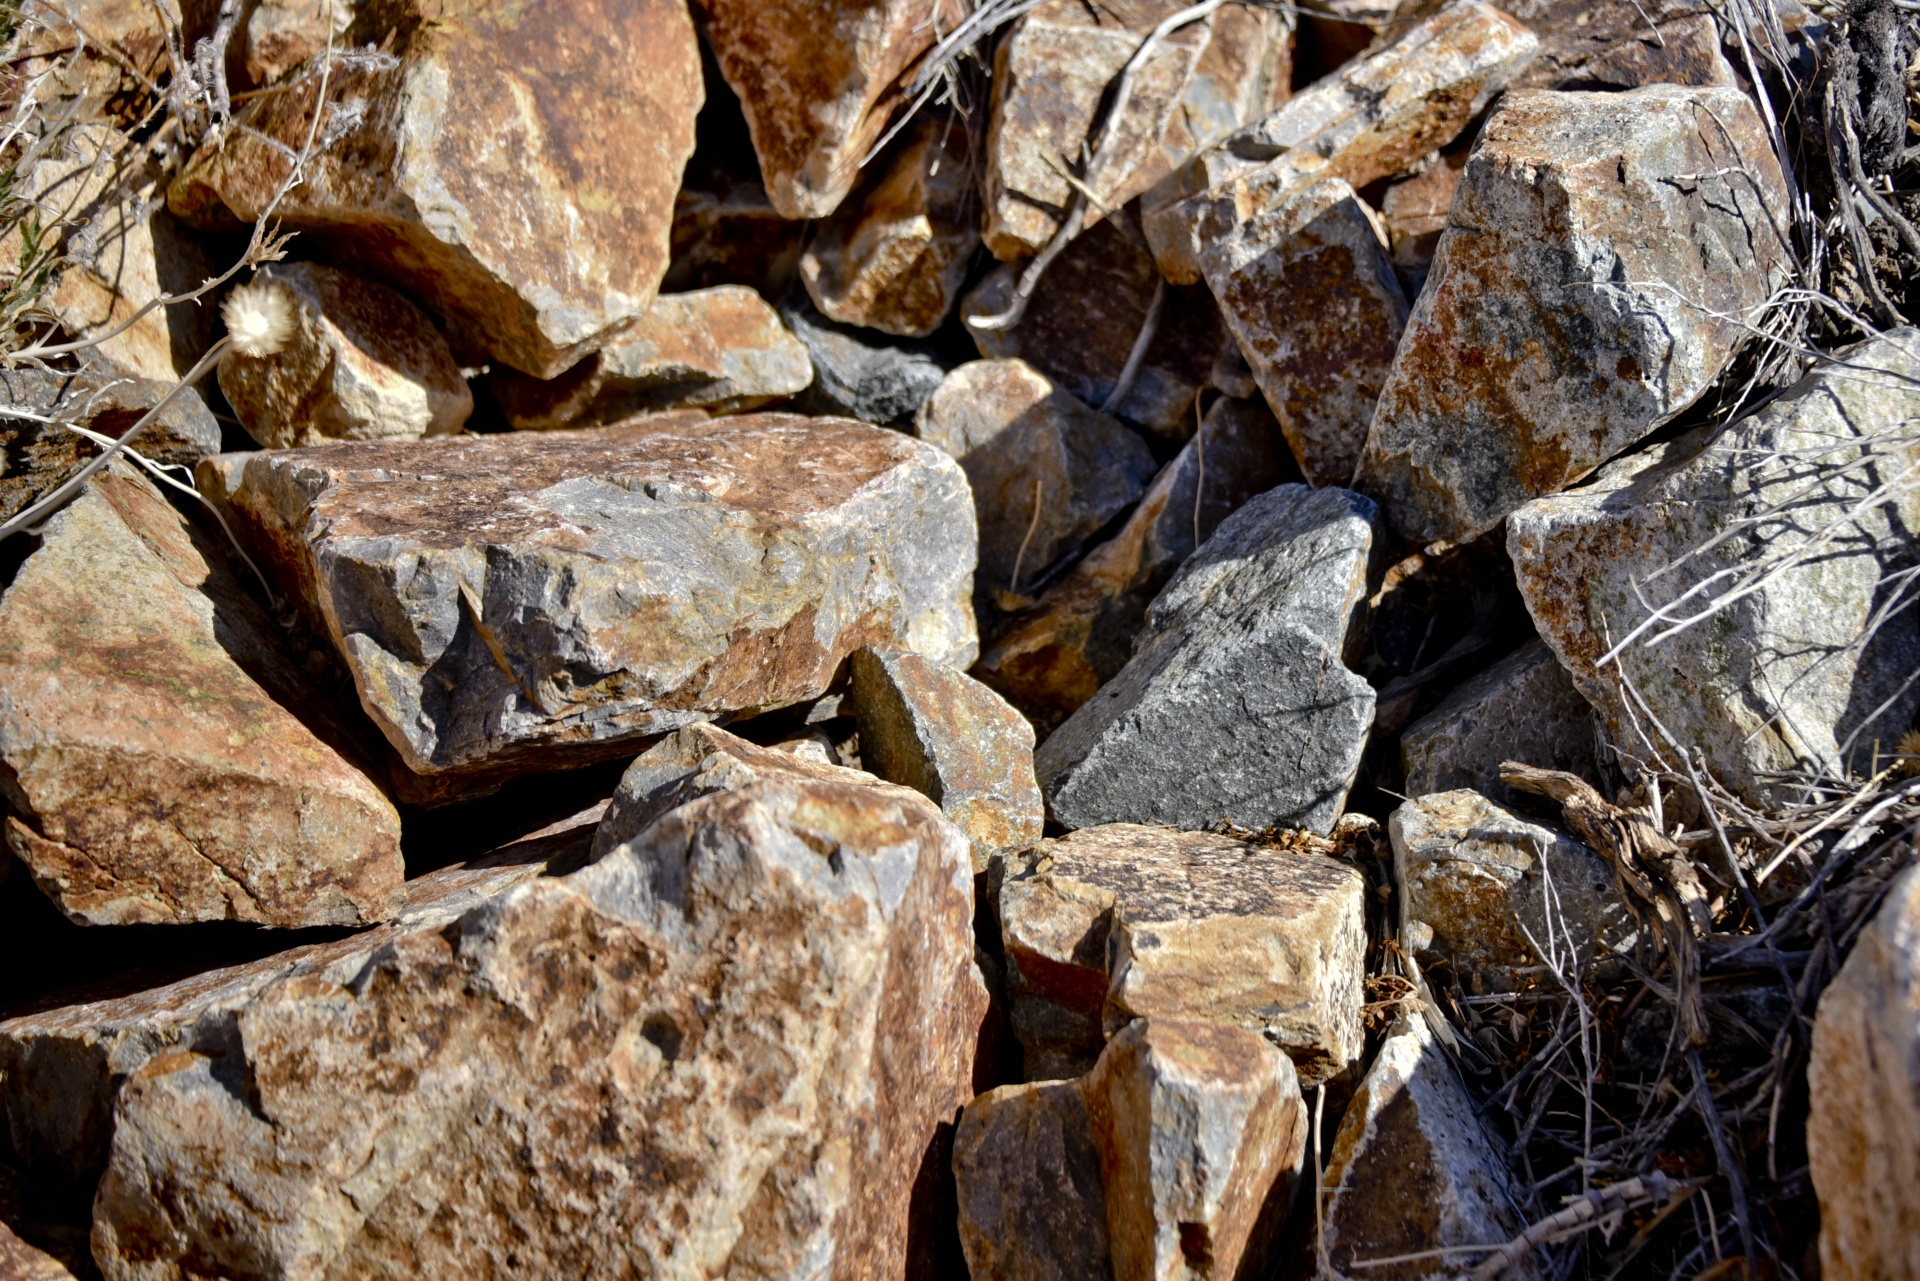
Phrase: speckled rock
(1863, 1132)
(1523, 708)
(1120, 922)
(857, 373)
(1555, 332)
(1618, 44)
(930, 727)
(1031, 1195)
(722, 350)
(555, 594)
(22, 1262)
(1029, 447)
(1372, 120)
(537, 260)
(1052, 657)
(1237, 703)
(279, 35)
(153, 771)
(732, 235)
(361, 363)
(1776, 682)
(893, 258)
(1320, 366)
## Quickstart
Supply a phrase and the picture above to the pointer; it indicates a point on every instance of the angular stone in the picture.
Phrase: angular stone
(1863, 1130)
(1473, 880)
(1047, 472)
(1052, 657)
(927, 726)
(22, 1262)
(893, 257)
(1237, 703)
(550, 595)
(858, 374)
(1309, 292)
(1615, 44)
(1052, 71)
(732, 236)
(279, 35)
(1120, 922)
(36, 456)
(1413, 1168)
(1414, 211)
(154, 770)
(1372, 120)
(361, 363)
(732, 1045)
(534, 222)
(1777, 681)
(819, 81)
(45, 41)
(722, 350)
(1523, 708)
(1558, 329)
(1032, 1198)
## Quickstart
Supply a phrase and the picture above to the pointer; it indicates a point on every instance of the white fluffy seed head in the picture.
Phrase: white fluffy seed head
(259, 317)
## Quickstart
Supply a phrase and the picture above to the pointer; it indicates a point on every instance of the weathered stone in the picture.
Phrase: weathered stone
(1032, 1198)
(1523, 708)
(723, 350)
(533, 221)
(1414, 211)
(21, 1262)
(1309, 292)
(154, 770)
(731, 1046)
(1414, 1169)
(1051, 658)
(1237, 703)
(1778, 680)
(360, 363)
(1617, 44)
(121, 47)
(279, 35)
(927, 726)
(732, 236)
(819, 81)
(1374, 119)
(553, 594)
(893, 257)
(1474, 883)
(1047, 472)
(1120, 922)
(36, 456)
(858, 374)
(1558, 329)
(1863, 1131)
(1052, 71)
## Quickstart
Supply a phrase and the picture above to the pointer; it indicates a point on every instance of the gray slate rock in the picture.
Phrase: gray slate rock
(857, 372)
(1523, 708)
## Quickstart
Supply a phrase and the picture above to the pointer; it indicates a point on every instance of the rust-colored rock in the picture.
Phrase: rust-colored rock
(732, 236)
(279, 35)
(513, 170)
(1414, 211)
(153, 770)
(1032, 1198)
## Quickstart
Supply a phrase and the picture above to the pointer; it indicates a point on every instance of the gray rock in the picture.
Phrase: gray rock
(1523, 708)
(858, 373)
(1778, 681)
(1237, 703)
(1031, 1195)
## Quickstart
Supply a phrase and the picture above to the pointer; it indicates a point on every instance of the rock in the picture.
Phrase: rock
(1523, 708)
(533, 222)
(1047, 472)
(732, 1045)
(820, 80)
(1414, 211)
(857, 374)
(36, 456)
(1413, 1168)
(1032, 1198)
(1051, 657)
(732, 236)
(893, 258)
(361, 363)
(154, 771)
(1776, 682)
(279, 35)
(1863, 1133)
(927, 726)
(1236, 703)
(723, 350)
(1308, 290)
(1473, 885)
(50, 33)
(1373, 120)
(1120, 922)
(1052, 71)
(552, 595)
(1614, 45)
(1552, 335)
(22, 1262)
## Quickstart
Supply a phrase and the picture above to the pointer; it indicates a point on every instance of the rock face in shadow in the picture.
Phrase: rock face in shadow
(1032, 1199)
(1523, 708)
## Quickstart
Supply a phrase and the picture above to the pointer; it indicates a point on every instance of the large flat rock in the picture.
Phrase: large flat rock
(551, 594)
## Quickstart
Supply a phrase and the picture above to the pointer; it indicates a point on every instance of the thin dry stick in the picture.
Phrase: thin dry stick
(1319, 1192)
(1137, 355)
(1583, 1212)
(1013, 584)
(1200, 466)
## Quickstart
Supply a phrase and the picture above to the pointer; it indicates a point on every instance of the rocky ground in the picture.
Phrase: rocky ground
(879, 639)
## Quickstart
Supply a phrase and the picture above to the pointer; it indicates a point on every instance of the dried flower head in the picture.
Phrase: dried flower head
(1909, 752)
(259, 317)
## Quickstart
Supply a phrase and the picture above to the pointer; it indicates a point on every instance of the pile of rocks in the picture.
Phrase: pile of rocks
(840, 687)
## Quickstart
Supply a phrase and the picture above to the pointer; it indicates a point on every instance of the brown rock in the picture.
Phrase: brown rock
(732, 236)
(279, 35)
(1615, 44)
(532, 218)
(122, 52)
(361, 363)
(154, 772)
(549, 596)
(21, 1262)
(927, 726)
(1308, 290)
(1032, 1199)
(1414, 211)
(722, 350)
